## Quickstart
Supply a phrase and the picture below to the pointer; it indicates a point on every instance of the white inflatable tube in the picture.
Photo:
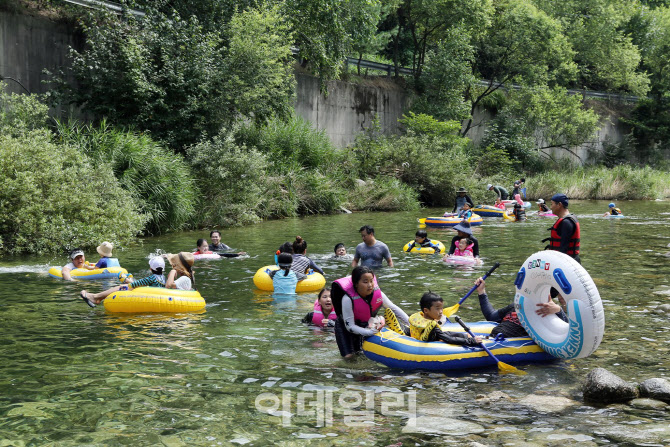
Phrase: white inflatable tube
(582, 335)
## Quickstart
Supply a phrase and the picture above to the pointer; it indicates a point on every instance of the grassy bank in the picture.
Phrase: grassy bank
(621, 182)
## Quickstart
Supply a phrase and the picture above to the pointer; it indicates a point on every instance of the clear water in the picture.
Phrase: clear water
(71, 375)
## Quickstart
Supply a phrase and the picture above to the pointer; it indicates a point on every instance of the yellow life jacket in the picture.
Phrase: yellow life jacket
(420, 327)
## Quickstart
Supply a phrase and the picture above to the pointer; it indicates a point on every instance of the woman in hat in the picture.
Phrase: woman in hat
(464, 231)
(462, 198)
(181, 276)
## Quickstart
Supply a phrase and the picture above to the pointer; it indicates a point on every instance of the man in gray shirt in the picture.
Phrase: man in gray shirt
(371, 252)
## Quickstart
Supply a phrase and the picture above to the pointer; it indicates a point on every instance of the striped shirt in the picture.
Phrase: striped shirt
(150, 281)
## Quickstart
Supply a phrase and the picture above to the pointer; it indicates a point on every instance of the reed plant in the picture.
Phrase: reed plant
(599, 182)
(159, 180)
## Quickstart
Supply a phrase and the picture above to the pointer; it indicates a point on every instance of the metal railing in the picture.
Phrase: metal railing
(101, 4)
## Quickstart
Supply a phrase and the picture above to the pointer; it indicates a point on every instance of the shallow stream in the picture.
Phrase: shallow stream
(247, 372)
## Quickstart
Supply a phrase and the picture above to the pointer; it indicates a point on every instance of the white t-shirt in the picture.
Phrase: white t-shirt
(183, 283)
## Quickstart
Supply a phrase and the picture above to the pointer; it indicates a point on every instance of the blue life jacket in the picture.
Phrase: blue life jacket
(109, 262)
(284, 284)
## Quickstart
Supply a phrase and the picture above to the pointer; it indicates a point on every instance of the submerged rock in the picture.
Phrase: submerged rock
(604, 387)
(643, 434)
(648, 404)
(492, 397)
(547, 404)
(441, 426)
(656, 389)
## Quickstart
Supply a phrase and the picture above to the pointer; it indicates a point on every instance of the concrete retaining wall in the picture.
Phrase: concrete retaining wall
(28, 45)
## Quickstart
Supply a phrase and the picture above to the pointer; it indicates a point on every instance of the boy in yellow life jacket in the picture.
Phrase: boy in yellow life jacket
(425, 325)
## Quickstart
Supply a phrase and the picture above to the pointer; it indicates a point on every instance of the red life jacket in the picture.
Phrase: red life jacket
(555, 238)
(317, 316)
(362, 309)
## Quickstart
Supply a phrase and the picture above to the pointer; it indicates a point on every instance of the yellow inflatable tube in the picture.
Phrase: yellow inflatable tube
(154, 299)
(313, 283)
(424, 250)
(106, 273)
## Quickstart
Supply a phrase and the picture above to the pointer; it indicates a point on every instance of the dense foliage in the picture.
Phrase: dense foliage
(191, 109)
(54, 197)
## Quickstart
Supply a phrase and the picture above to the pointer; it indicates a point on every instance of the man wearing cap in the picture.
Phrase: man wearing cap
(462, 198)
(565, 231)
(464, 230)
(77, 261)
(499, 190)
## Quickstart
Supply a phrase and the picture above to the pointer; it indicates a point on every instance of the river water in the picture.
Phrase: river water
(247, 372)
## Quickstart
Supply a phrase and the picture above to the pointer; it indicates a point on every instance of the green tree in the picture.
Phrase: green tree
(556, 119)
(327, 31)
(523, 45)
(172, 77)
(605, 54)
(447, 78)
(427, 21)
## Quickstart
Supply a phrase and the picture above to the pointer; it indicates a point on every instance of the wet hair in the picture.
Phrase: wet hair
(358, 272)
(286, 247)
(321, 292)
(368, 229)
(338, 246)
(421, 233)
(211, 233)
(299, 245)
(200, 242)
(287, 260)
(427, 300)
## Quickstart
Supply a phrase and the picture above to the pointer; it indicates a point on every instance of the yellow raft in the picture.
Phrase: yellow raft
(106, 273)
(155, 299)
(424, 250)
(313, 283)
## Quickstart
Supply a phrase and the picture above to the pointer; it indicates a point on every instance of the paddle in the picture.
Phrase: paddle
(502, 367)
(449, 311)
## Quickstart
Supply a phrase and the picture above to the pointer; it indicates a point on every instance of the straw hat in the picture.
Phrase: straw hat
(183, 261)
(105, 249)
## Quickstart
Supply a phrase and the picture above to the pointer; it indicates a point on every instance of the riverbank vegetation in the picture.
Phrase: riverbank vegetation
(192, 121)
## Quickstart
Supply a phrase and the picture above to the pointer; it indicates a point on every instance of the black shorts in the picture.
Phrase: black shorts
(347, 342)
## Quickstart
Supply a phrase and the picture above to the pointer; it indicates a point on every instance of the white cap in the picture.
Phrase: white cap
(157, 262)
(489, 186)
(540, 201)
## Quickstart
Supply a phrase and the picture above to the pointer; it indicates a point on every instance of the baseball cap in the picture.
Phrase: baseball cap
(75, 253)
(540, 201)
(560, 198)
(156, 262)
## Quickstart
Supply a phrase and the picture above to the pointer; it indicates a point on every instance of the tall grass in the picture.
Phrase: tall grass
(620, 182)
(159, 180)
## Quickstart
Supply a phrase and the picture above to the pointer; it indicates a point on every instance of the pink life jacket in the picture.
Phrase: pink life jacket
(362, 310)
(467, 252)
(317, 316)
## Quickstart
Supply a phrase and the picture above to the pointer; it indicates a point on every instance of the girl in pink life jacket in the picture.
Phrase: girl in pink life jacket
(356, 299)
(324, 314)
(499, 204)
(464, 248)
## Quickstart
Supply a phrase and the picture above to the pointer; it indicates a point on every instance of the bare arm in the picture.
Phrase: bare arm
(169, 282)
